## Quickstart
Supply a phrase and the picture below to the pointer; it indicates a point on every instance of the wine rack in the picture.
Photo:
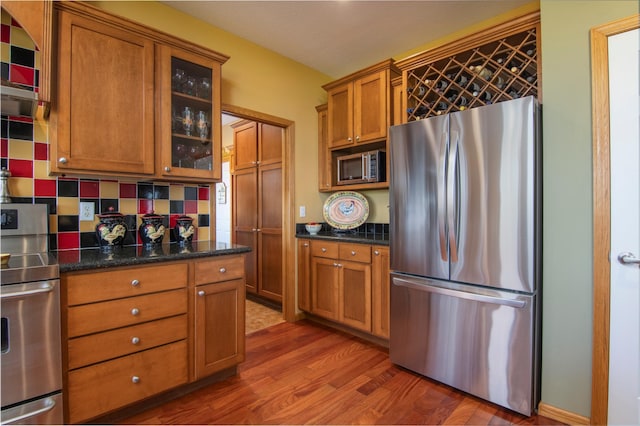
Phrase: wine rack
(499, 70)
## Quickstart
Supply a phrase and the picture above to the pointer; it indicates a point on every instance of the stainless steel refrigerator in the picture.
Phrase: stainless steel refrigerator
(465, 250)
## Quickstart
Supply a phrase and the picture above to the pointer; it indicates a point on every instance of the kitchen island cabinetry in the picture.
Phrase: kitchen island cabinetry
(133, 332)
(116, 111)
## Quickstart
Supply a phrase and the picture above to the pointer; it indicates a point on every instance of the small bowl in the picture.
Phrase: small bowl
(4, 259)
(313, 229)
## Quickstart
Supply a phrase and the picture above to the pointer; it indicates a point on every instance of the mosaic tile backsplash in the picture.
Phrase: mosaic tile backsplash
(24, 151)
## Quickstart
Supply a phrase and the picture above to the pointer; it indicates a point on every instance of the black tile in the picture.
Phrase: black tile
(190, 192)
(53, 241)
(22, 200)
(131, 237)
(4, 128)
(4, 163)
(131, 222)
(160, 192)
(106, 203)
(203, 220)
(68, 223)
(176, 207)
(51, 202)
(88, 240)
(145, 190)
(4, 70)
(21, 130)
(22, 56)
(67, 188)
(36, 79)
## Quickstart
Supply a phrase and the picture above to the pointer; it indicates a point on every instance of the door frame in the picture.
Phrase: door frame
(602, 211)
(288, 192)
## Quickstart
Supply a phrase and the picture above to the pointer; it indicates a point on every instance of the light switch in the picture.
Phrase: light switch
(303, 211)
(87, 211)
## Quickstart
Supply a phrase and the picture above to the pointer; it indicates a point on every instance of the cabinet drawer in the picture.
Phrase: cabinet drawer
(102, 316)
(324, 249)
(123, 282)
(99, 347)
(103, 387)
(355, 252)
(223, 268)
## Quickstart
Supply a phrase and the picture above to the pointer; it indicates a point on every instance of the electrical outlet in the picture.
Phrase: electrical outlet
(87, 211)
(303, 211)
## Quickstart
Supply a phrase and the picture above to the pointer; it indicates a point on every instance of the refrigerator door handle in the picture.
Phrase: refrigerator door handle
(442, 196)
(452, 195)
(460, 294)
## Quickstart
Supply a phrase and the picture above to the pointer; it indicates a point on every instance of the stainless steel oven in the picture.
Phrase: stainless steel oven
(31, 390)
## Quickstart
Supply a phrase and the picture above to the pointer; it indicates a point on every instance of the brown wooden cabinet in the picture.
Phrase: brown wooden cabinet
(380, 288)
(257, 204)
(120, 326)
(219, 314)
(304, 274)
(115, 111)
(359, 112)
(130, 333)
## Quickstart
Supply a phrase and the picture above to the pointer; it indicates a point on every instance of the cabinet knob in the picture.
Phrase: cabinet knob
(339, 265)
(135, 379)
(135, 311)
(349, 139)
(62, 160)
(135, 283)
(376, 252)
(305, 245)
(254, 230)
(324, 250)
(357, 138)
(223, 270)
(167, 169)
(201, 293)
(353, 252)
(335, 265)
(135, 340)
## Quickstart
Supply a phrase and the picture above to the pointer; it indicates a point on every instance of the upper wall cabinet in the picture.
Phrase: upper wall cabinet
(359, 106)
(494, 65)
(131, 101)
(35, 17)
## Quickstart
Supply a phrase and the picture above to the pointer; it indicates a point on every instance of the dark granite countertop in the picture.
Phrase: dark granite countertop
(348, 237)
(96, 258)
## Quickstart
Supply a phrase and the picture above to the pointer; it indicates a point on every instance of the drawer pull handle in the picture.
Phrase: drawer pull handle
(135, 340)
(223, 270)
(376, 252)
(135, 379)
(353, 252)
(201, 293)
(324, 250)
(135, 283)
(135, 311)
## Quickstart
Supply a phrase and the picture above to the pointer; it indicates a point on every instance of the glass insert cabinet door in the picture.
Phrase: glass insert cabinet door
(190, 116)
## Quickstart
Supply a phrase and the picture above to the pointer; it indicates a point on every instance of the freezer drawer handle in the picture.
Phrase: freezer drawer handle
(628, 258)
(39, 288)
(48, 405)
(460, 294)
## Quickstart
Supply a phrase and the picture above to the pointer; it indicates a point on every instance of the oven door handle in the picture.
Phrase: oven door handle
(39, 288)
(48, 405)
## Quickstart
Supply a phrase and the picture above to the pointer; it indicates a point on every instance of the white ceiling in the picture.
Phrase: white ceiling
(342, 36)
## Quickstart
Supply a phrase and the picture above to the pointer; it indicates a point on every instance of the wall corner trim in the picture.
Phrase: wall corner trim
(561, 415)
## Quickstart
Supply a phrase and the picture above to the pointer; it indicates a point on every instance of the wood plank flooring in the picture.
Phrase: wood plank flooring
(304, 373)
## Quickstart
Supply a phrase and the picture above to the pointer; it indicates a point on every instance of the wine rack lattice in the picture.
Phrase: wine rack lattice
(497, 71)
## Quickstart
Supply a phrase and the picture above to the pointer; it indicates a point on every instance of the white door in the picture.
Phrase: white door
(624, 355)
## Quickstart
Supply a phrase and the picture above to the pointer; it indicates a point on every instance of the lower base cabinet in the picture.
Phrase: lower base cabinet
(346, 283)
(146, 329)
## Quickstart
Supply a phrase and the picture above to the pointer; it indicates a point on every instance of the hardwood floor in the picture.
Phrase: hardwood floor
(303, 373)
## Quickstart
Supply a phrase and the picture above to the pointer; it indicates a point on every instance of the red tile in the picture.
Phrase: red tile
(22, 119)
(45, 187)
(128, 190)
(145, 206)
(21, 168)
(68, 240)
(190, 207)
(21, 75)
(89, 189)
(173, 218)
(15, 23)
(4, 148)
(203, 193)
(5, 31)
(40, 151)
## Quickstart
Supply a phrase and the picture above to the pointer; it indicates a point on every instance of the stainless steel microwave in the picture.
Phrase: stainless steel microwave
(363, 167)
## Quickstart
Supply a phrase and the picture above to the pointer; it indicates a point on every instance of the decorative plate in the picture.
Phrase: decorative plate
(346, 210)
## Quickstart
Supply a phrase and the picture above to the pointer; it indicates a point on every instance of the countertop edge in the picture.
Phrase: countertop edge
(347, 238)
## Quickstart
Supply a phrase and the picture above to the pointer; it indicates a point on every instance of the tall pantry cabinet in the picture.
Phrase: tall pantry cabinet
(257, 204)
